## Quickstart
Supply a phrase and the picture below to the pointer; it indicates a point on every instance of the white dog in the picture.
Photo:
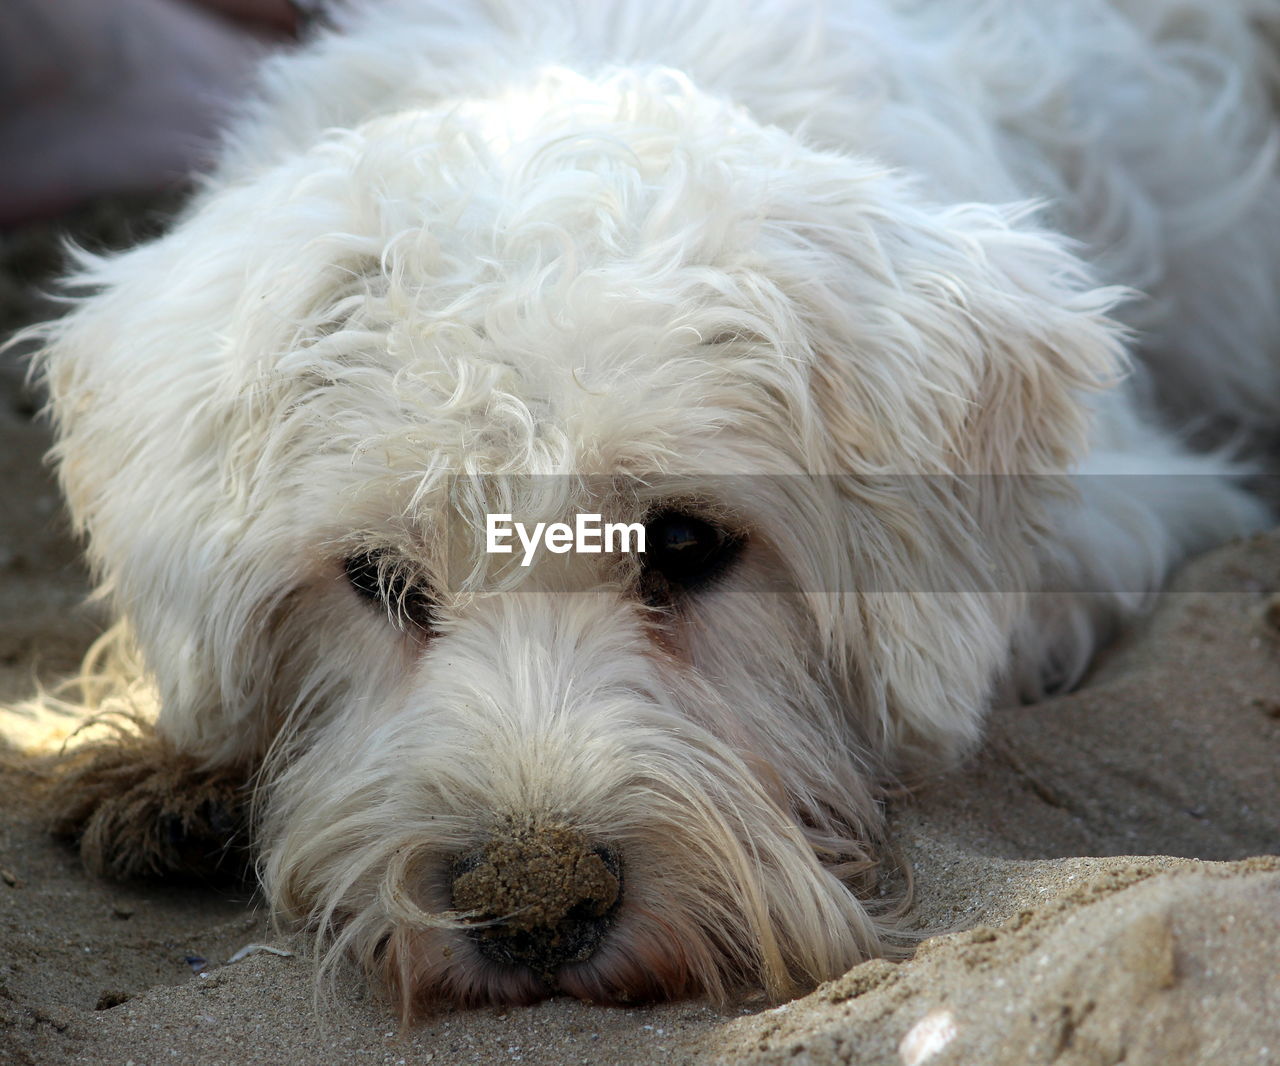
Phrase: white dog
(837, 301)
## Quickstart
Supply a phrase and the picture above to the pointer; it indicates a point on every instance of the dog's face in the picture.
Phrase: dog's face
(622, 776)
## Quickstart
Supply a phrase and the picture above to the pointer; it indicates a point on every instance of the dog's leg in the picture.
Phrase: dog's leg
(133, 802)
(138, 808)
(1142, 505)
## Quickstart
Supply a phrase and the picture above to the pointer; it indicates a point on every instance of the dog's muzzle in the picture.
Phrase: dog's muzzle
(541, 896)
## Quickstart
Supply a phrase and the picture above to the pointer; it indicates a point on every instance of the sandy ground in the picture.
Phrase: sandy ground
(1099, 870)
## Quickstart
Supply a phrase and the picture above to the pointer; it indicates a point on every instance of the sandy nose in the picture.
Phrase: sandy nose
(545, 894)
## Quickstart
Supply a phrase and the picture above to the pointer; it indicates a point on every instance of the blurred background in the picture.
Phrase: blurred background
(120, 96)
(106, 107)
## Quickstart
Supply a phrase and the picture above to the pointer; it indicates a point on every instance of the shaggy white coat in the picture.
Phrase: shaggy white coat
(669, 244)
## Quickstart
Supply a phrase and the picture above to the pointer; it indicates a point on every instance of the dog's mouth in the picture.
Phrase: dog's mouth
(538, 897)
(532, 908)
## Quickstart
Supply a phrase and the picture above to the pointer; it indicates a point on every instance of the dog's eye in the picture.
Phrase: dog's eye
(687, 551)
(375, 581)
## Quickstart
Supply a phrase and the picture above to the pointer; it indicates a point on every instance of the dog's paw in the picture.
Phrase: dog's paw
(137, 808)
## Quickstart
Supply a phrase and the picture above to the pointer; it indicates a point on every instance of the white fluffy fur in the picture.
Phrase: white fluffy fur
(870, 239)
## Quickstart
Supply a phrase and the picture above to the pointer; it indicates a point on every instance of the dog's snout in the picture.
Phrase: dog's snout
(541, 896)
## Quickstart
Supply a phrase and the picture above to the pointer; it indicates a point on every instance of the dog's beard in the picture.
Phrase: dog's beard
(733, 850)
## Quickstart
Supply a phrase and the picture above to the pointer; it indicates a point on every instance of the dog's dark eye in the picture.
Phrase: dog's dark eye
(685, 550)
(371, 576)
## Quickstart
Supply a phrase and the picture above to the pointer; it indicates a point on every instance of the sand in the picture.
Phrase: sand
(1093, 887)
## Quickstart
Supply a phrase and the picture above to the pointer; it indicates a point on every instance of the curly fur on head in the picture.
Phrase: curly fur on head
(776, 272)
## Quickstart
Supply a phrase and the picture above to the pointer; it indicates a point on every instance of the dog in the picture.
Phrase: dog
(888, 325)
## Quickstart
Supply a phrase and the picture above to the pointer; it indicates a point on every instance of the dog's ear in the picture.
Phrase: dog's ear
(941, 342)
(953, 340)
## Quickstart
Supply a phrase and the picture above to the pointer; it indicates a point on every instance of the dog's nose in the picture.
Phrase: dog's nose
(546, 896)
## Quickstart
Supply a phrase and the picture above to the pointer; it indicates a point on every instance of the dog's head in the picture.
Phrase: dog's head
(620, 775)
